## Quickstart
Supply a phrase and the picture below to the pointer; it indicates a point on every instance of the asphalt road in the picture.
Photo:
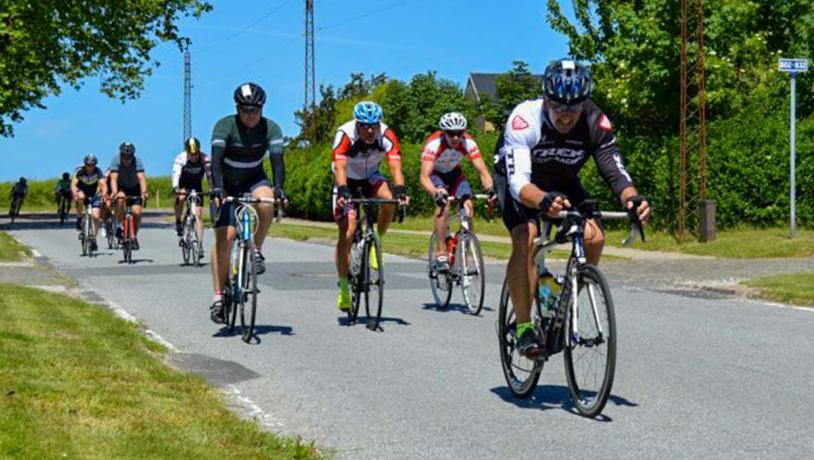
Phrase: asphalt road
(695, 377)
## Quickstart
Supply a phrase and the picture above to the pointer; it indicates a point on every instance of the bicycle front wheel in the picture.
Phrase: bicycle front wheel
(373, 283)
(440, 282)
(590, 342)
(471, 275)
(248, 285)
(521, 373)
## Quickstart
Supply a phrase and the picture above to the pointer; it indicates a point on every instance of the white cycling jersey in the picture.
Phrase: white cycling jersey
(446, 157)
(364, 159)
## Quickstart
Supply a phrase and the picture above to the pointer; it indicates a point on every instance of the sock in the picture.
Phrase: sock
(343, 284)
(523, 327)
(218, 296)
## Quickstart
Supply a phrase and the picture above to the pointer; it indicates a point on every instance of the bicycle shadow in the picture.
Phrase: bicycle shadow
(345, 321)
(453, 307)
(260, 329)
(547, 397)
(136, 261)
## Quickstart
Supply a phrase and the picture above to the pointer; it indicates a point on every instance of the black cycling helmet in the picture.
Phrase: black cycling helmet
(90, 158)
(567, 82)
(65, 176)
(250, 94)
(23, 180)
(127, 149)
(192, 145)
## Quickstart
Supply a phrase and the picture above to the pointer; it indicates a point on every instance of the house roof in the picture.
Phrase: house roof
(484, 83)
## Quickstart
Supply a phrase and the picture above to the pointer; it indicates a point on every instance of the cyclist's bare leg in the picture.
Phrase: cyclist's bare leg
(180, 199)
(347, 226)
(387, 211)
(119, 207)
(136, 210)
(440, 226)
(469, 208)
(224, 236)
(521, 270)
(96, 221)
(264, 213)
(199, 225)
(80, 204)
(594, 241)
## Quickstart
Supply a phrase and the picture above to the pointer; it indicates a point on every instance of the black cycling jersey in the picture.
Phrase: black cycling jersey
(532, 150)
(238, 152)
(88, 183)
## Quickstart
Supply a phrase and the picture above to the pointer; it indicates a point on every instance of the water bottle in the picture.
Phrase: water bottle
(452, 242)
(547, 289)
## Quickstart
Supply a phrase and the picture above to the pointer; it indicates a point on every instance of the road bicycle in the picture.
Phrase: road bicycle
(87, 234)
(364, 280)
(109, 223)
(240, 292)
(16, 204)
(128, 241)
(465, 262)
(583, 323)
(63, 205)
(191, 246)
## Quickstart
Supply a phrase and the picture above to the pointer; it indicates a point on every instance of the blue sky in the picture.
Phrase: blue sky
(400, 38)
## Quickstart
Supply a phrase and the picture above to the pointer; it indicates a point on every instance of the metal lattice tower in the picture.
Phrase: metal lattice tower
(310, 86)
(692, 124)
(187, 91)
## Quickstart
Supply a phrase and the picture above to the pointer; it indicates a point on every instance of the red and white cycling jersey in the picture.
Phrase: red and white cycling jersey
(446, 157)
(364, 159)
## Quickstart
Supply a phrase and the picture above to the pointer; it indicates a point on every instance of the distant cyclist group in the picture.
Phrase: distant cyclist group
(535, 175)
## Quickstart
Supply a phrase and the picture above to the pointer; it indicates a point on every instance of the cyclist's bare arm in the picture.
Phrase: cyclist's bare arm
(485, 177)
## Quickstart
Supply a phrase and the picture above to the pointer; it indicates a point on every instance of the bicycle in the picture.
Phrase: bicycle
(16, 204)
(362, 278)
(63, 205)
(240, 291)
(110, 230)
(87, 236)
(191, 246)
(583, 318)
(128, 239)
(465, 263)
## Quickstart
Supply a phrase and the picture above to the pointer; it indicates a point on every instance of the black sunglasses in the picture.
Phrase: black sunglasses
(368, 125)
(454, 133)
(248, 109)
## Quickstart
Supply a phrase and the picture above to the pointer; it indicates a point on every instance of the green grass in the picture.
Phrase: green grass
(79, 383)
(11, 250)
(797, 288)
(740, 243)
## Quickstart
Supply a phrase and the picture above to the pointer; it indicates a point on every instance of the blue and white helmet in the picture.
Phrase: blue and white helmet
(567, 82)
(367, 112)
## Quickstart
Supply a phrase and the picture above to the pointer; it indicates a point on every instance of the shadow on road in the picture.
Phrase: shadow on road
(260, 329)
(547, 397)
(453, 307)
(344, 321)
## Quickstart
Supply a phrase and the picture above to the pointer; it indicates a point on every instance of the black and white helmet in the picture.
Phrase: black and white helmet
(453, 121)
(250, 94)
(90, 159)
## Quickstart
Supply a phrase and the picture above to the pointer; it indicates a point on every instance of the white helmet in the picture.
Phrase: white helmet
(453, 121)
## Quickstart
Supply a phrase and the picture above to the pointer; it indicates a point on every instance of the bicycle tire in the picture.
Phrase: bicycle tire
(83, 241)
(250, 292)
(373, 280)
(589, 402)
(513, 364)
(469, 251)
(184, 251)
(355, 280)
(440, 283)
(229, 307)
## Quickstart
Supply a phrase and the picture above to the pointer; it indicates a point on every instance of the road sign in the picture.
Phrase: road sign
(793, 65)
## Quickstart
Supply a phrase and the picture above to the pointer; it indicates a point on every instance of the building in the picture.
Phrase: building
(480, 86)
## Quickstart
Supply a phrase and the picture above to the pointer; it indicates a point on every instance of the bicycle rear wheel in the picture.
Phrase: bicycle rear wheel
(440, 283)
(473, 283)
(520, 372)
(373, 284)
(249, 287)
(229, 306)
(184, 250)
(590, 347)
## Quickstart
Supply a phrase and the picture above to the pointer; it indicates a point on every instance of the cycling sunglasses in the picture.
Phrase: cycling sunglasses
(563, 108)
(248, 109)
(454, 133)
(368, 125)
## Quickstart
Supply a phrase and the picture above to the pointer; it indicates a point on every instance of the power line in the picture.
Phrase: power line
(251, 64)
(363, 15)
(243, 30)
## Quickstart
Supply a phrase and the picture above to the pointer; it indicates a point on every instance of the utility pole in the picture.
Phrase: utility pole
(187, 91)
(309, 107)
(692, 125)
(793, 67)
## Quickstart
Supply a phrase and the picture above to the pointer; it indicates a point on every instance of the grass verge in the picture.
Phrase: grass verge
(11, 250)
(79, 383)
(795, 288)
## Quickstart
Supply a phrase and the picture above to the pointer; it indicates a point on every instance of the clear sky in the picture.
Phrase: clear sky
(262, 41)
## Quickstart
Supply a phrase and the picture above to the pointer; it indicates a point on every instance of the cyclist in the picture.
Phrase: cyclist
(545, 144)
(240, 142)
(441, 174)
(187, 174)
(63, 189)
(19, 191)
(127, 178)
(88, 183)
(359, 147)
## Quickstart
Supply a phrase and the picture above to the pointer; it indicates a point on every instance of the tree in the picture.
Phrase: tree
(511, 88)
(45, 44)
(321, 121)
